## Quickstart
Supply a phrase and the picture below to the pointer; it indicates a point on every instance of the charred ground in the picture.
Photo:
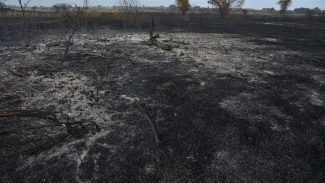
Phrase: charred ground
(236, 101)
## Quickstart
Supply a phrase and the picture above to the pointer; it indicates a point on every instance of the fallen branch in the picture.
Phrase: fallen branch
(17, 74)
(37, 127)
(153, 127)
(47, 64)
(130, 60)
(163, 46)
(20, 84)
(23, 113)
(95, 55)
(315, 60)
(153, 39)
(10, 95)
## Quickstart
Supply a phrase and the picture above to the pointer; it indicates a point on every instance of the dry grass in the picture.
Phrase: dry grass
(30, 14)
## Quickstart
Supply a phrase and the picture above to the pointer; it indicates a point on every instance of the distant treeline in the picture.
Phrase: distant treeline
(170, 8)
(316, 11)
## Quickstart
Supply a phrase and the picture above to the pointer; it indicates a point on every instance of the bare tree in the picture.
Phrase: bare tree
(23, 6)
(284, 5)
(183, 5)
(73, 19)
(130, 12)
(225, 6)
(2, 6)
(130, 6)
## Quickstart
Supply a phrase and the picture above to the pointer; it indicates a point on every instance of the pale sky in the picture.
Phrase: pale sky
(256, 4)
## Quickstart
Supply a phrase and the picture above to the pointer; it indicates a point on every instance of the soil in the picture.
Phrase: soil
(229, 104)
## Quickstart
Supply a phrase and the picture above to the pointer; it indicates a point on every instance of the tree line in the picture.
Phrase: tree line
(223, 7)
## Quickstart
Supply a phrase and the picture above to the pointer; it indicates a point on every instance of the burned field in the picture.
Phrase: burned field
(239, 102)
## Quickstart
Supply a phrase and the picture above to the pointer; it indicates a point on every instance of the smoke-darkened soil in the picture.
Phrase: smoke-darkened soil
(240, 102)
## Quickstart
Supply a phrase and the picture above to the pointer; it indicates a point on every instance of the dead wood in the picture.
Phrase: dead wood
(20, 84)
(25, 113)
(39, 114)
(318, 61)
(10, 95)
(152, 37)
(17, 74)
(116, 51)
(95, 55)
(153, 40)
(153, 127)
(52, 68)
(38, 127)
(102, 39)
(163, 46)
(128, 57)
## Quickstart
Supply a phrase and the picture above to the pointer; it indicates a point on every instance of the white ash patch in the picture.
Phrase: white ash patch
(128, 98)
(272, 40)
(319, 79)
(222, 54)
(322, 121)
(315, 98)
(71, 94)
(269, 72)
(225, 162)
(225, 158)
(68, 149)
(245, 106)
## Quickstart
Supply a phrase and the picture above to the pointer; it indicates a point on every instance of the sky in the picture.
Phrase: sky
(255, 4)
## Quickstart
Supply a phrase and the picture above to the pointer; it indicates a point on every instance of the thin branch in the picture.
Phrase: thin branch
(153, 127)
(24, 113)
(38, 127)
(26, 4)
(23, 6)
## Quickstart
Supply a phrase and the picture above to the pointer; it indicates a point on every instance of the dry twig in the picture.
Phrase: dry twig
(153, 127)
(37, 127)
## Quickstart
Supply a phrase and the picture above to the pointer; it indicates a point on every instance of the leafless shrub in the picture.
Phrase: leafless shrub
(72, 21)
(130, 6)
(2, 6)
(130, 11)
(3, 27)
(23, 6)
(131, 14)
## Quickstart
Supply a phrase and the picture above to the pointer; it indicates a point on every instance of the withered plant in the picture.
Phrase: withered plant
(73, 19)
(23, 6)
